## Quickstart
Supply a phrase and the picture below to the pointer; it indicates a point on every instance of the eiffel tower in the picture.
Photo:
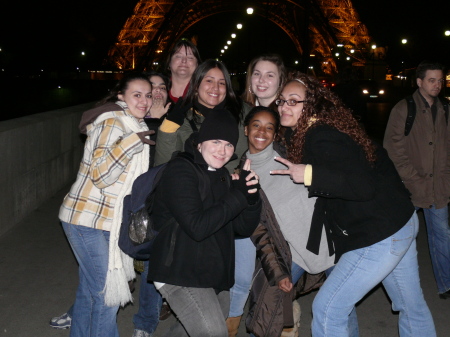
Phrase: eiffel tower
(316, 27)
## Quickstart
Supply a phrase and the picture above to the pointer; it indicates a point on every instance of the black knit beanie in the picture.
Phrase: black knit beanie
(219, 124)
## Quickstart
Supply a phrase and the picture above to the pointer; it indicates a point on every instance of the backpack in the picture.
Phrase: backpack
(137, 231)
(412, 113)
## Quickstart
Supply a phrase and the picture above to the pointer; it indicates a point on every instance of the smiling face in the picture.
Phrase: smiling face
(431, 85)
(212, 88)
(289, 115)
(216, 153)
(260, 131)
(183, 62)
(159, 89)
(265, 82)
(138, 97)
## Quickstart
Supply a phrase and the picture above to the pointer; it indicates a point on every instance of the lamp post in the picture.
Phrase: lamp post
(374, 46)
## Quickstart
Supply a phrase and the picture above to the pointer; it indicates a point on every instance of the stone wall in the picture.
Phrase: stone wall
(39, 155)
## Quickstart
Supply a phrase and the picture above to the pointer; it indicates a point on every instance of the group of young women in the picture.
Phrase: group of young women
(312, 193)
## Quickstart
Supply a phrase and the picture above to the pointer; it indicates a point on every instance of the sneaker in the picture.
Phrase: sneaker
(61, 322)
(140, 333)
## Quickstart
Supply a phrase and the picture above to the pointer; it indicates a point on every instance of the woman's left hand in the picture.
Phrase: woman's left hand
(296, 171)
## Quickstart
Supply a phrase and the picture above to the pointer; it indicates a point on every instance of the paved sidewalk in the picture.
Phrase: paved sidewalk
(39, 277)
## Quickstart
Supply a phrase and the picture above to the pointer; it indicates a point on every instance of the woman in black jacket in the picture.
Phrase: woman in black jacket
(361, 204)
(199, 208)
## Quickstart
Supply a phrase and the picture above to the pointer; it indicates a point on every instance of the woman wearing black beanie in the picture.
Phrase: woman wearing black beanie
(200, 208)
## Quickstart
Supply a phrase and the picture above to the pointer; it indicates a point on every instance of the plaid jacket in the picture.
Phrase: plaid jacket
(109, 148)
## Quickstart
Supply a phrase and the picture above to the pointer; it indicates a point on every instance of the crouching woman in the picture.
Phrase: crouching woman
(199, 208)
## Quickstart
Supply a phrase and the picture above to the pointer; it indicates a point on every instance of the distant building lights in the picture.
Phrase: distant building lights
(447, 33)
(312, 55)
(159, 51)
(296, 62)
(228, 42)
(352, 51)
(226, 47)
(239, 26)
(374, 46)
(233, 36)
(404, 41)
(82, 53)
(337, 54)
(348, 58)
(222, 51)
(249, 11)
(340, 45)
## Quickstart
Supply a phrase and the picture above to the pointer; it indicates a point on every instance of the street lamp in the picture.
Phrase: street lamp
(239, 26)
(404, 41)
(233, 36)
(374, 46)
(447, 33)
(249, 11)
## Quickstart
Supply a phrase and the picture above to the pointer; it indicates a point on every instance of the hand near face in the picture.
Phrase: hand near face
(295, 171)
(158, 109)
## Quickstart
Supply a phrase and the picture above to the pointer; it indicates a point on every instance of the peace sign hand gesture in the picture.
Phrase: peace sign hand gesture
(296, 171)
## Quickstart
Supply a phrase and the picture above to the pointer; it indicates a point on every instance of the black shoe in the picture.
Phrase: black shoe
(165, 312)
(445, 295)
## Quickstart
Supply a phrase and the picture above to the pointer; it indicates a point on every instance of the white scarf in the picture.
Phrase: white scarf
(120, 265)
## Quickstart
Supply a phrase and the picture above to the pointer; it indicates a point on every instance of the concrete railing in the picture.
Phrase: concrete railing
(39, 155)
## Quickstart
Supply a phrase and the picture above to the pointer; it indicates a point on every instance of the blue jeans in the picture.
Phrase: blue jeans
(353, 328)
(244, 266)
(438, 232)
(150, 302)
(200, 311)
(91, 316)
(393, 262)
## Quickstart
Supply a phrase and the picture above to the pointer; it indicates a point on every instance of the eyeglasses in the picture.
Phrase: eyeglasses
(290, 102)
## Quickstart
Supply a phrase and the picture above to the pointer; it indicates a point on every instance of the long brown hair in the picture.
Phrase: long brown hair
(323, 107)
(248, 96)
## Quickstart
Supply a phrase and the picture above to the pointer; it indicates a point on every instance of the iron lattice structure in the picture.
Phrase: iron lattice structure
(315, 27)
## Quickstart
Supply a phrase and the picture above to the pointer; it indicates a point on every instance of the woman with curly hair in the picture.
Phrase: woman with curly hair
(362, 205)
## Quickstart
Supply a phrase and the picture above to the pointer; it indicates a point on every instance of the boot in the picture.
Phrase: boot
(293, 332)
(233, 325)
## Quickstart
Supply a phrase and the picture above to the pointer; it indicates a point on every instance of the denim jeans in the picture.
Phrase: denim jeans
(200, 311)
(91, 316)
(353, 327)
(150, 302)
(244, 266)
(393, 262)
(438, 232)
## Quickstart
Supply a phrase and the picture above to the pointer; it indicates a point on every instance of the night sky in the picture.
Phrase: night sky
(51, 34)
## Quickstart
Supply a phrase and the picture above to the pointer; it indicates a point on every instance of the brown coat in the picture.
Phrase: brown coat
(422, 158)
(271, 308)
